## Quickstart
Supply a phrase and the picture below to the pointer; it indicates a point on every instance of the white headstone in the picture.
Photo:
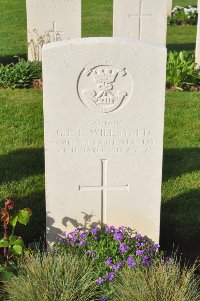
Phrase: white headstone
(51, 21)
(198, 38)
(169, 7)
(140, 19)
(104, 114)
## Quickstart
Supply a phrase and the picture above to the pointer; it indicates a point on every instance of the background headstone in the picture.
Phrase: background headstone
(104, 115)
(198, 38)
(51, 21)
(140, 19)
(169, 7)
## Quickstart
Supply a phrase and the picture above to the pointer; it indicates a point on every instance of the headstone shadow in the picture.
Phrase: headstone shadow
(8, 59)
(180, 224)
(177, 162)
(21, 163)
(181, 47)
(35, 230)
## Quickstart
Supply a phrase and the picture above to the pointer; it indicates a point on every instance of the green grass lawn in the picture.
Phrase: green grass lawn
(185, 2)
(181, 38)
(12, 29)
(180, 222)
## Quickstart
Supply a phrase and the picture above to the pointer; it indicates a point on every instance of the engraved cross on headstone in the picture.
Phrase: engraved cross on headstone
(54, 34)
(140, 16)
(103, 188)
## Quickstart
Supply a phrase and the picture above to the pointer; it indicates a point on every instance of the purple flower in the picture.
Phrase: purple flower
(150, 249)
(157, 246)
(138, 236)
(117, 267)
(102, 298)
(109, 229)
(130, 262)
(72, 234)
(139, 252)
(91, 252)
(120, 264)
(111, 276)
(83, 235)
(94, 231)
(140, 244)
(146, 261)
(100, 280)
(118, 236)
(114, 267)
(81, 243)
(167, 259)
(108, 261)
(143, 262)
(123, 248)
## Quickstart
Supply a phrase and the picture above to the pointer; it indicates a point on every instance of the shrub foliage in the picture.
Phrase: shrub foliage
(181, 72)
(184, 15)
(163, 281)
(20, 75)
(53, 277)
(110, 249)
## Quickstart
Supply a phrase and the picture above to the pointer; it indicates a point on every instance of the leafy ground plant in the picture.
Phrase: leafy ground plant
(109, 249)
(184, 15)
(163, 281)
(181, 72)
(11, 244)
(52, 277)
(20, 75)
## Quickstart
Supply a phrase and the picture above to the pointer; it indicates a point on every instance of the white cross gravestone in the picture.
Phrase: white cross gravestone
(50, 21)
(198, 39)
(140, 19)
(103, 116)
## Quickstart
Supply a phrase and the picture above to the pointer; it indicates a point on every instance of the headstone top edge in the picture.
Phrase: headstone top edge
(101, 40)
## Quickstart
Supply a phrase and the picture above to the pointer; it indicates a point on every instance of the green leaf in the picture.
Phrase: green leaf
(17, 249)
(14, 220)
(5, 276)
(19, 242)
(4, 243)
(24, 216)
(14, 240)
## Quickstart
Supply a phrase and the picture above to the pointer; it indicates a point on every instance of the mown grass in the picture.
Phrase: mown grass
(22, 154)
(12, 29)
(97, 18)
(180, 222)
(181, 38)
(185, 2)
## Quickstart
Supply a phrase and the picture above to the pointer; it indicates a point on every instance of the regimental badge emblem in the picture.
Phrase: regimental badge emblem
(104, 88)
